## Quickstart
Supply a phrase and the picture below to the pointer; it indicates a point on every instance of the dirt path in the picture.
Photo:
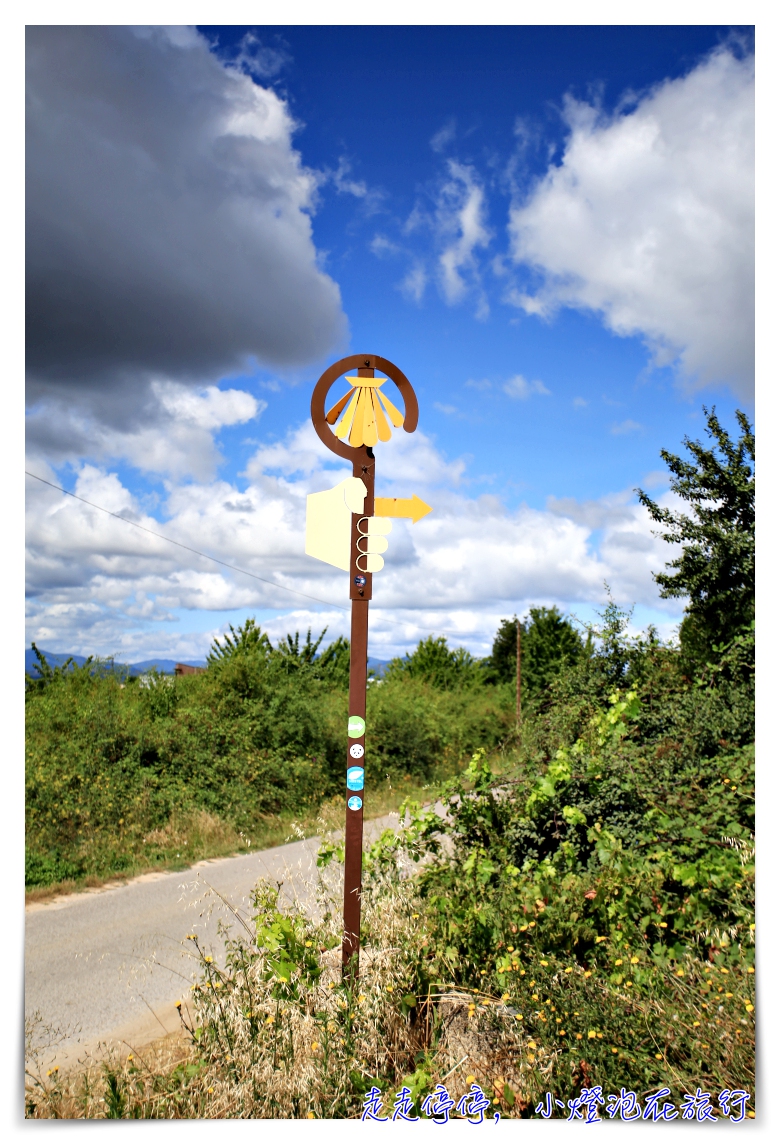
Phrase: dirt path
(110, 964)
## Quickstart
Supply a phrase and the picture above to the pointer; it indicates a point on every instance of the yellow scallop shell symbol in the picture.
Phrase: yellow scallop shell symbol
(364, 421)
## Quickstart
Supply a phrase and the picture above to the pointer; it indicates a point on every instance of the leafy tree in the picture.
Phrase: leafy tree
(612, 656)
(46, 673)
(290, 654)
(332, 664)
(716, 568)
(300, 655)
(434, 662)
(549, 642)
(247, 639)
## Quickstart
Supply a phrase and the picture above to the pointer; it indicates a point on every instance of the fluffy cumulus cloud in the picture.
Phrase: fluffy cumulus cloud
(172, 436)
(648, 220)
(168, 215)
(99, 585)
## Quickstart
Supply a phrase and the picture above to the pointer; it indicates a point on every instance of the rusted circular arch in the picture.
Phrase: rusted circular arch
(333, 373)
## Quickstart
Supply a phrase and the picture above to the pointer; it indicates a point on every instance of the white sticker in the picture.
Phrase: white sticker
(356, 751)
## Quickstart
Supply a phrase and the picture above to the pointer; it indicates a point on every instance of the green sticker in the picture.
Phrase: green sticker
(356, 727)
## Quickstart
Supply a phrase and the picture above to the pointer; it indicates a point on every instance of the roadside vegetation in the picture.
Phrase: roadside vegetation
(581, 918)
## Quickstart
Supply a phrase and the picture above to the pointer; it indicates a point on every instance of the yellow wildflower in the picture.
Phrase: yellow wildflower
(635, 961)
(591, 1034)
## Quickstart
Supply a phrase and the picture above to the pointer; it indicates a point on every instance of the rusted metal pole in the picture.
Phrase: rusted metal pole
(519, 675)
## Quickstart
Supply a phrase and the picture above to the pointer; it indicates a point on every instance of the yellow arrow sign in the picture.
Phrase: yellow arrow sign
(402, 506)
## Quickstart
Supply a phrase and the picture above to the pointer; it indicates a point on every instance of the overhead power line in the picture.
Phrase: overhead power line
(215, 560)
(186, 547)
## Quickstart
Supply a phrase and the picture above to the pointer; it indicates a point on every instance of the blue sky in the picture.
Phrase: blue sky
(548, 229)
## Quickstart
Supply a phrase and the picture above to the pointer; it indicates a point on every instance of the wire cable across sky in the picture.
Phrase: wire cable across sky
(223, 563)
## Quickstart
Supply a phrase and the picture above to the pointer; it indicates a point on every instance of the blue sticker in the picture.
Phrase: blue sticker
(355, 778)
(355, 803)
(360, 581)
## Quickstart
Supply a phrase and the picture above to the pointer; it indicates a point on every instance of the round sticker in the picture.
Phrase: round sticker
(360, 581)
(355, 778)
(356, 751)
(356, 727)
(355, 803)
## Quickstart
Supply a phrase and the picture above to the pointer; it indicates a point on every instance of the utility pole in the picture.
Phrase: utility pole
(342, 530)
(519, 675)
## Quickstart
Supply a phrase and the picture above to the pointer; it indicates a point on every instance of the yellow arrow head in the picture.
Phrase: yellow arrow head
(419, 509)
(402, 506)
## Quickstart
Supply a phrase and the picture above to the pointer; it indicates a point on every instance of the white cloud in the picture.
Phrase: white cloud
(628, 426)
(211, 408)
(381, 246)
(99, 585)
(371, 198)
(443, 136)
(259, 59)
(414, 282)
(517, 386)
(648, 220)
(460, 217)
(175, 436)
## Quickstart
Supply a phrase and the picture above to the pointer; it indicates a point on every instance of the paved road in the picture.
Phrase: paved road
(110, 964)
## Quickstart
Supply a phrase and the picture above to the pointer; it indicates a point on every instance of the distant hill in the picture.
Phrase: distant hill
(166, 666)
(56, 659)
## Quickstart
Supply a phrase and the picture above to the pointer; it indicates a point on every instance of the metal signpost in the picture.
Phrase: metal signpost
(347, 527)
